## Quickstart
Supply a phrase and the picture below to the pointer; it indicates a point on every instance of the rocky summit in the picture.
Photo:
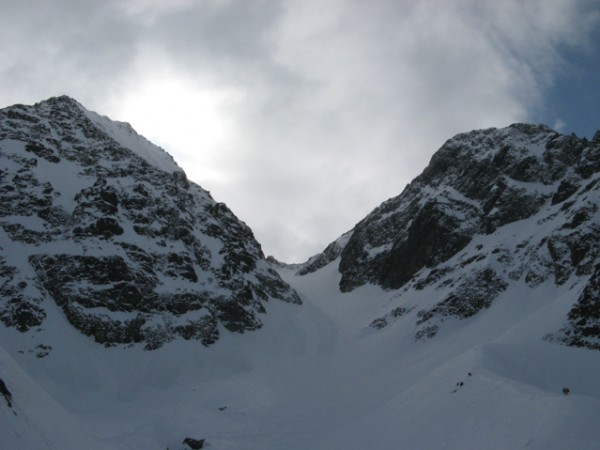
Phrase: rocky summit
(494, 209)
(97, 221)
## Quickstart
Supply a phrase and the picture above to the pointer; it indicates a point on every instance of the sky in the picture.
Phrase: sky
(304, 115)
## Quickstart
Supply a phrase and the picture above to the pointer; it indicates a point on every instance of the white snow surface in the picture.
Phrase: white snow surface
(315, 377)
(124, 134)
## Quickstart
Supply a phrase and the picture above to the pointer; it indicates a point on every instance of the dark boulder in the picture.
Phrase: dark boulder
(194, 444)
(5, 393)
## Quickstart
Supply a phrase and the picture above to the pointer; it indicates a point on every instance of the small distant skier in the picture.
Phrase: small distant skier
(6, 393)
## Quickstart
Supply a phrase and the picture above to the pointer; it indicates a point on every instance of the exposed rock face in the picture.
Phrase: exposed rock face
(104, 224)
(5, 393)
(331, 253)
(495, 206)
(583, 327)
(474, 184)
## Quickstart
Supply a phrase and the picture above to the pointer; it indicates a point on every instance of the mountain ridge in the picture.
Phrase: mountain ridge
(146, 255)
(433, 323)
(476, 185)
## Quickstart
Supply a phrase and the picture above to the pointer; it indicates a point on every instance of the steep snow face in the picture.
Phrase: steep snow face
(34, 420)
(317, 377)
(494, 208)
(99, 222)
(127, 137)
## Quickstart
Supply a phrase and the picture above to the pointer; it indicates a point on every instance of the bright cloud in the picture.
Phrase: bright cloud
(188, 118)
(301, 115)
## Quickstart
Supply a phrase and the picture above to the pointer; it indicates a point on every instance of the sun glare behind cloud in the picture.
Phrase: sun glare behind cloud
(190, 122)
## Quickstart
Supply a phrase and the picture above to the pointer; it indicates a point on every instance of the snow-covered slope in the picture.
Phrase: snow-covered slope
(314, 378)
(487, 382)
(99, 222)
(457, 347)
(35, 420)
(494, 211)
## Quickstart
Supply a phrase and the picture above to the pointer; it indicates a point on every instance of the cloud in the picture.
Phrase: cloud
(301, 115)
(378, 89)
(559, 125)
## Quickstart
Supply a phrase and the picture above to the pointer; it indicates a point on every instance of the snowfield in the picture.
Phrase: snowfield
(315, 377)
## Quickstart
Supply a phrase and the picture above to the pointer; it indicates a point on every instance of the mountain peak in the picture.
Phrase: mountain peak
(126, 247)
(529, 128)
(61, 103)
(494, 207)
(60, 99)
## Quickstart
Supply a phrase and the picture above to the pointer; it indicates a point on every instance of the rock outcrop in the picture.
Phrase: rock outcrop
(493, 207)
(100, 222)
